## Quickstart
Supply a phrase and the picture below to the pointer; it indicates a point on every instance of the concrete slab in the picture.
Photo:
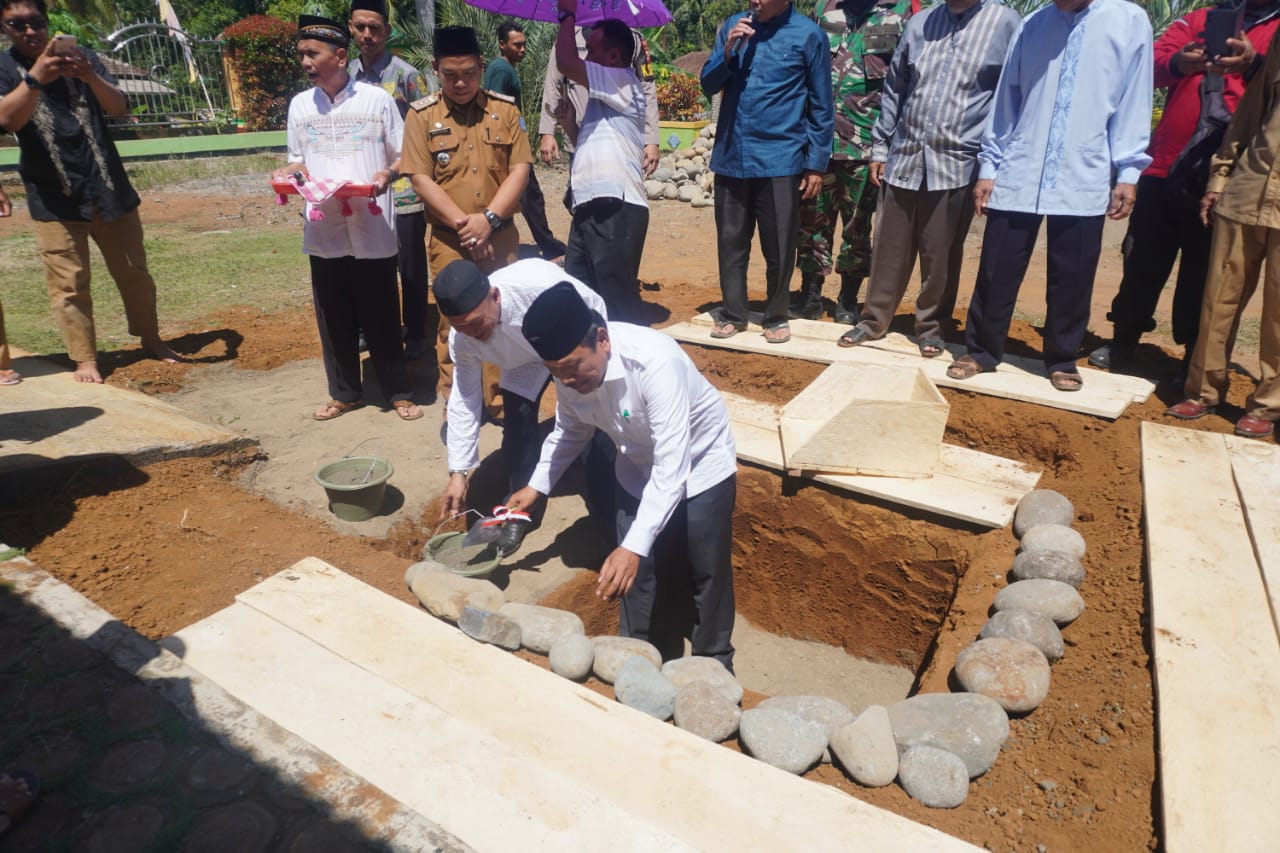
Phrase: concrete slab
(51, 417)
(491, 743)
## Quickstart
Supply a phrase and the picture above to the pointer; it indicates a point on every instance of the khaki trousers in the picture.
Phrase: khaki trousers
(64, 246)
(4, 343)
(1235, 261)
(442, 250)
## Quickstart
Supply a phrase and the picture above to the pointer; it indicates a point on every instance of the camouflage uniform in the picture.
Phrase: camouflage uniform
(863, 35)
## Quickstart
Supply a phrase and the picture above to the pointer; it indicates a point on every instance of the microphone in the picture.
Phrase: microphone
(737, 48)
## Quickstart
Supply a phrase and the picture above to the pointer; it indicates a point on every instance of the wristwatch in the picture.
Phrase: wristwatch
(495, 221)
(31, 81)
(566, 13)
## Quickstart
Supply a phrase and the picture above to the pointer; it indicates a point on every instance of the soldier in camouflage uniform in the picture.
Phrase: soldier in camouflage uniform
(863, 35)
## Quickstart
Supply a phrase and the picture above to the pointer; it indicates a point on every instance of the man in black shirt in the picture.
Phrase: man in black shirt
(53, 97)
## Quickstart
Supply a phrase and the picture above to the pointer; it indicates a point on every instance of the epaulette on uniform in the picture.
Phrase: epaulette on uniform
(501, 97)
(429, 101)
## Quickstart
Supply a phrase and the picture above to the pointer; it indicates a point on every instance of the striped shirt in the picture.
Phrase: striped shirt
(938, 93)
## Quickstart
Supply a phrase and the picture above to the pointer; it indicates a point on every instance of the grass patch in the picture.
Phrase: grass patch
(196, 276)
(163, 174)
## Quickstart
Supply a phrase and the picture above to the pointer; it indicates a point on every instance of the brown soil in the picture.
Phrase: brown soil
(164, 546)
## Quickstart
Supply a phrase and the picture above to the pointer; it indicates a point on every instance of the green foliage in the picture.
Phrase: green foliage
(62, 21)
(679, 96)
(263, 52)
(289, 10)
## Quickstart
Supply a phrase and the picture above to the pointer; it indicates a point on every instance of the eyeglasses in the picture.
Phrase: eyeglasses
(21, 25)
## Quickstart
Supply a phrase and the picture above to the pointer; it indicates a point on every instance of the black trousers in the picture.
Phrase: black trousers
(521, 444)
(534, 208)
(1075, 243)
(606, 240)
(1159, 229)
(354, 295)
(773, 206)
(687, 575)
(420, 319)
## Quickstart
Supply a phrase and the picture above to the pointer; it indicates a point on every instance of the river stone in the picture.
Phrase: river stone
(695, 168)
(688, 191)
(866, 749)
(684, 154)
(1054, 537)
(641, 686)
(973, 727)
(663, 173)
(1012, 672)
(1030, 627)
(571, 656)
(540, 627)
(653, 189)
(612, 653)
(685, 163)
(444, 594)
(489, 627)
(689, 670)
(670, 190)
(700, 201)
(934, 777)
(703, 710)
(831, 714)
(1051, 565)
(782, 739)
(1042, 506)
(1051, 599)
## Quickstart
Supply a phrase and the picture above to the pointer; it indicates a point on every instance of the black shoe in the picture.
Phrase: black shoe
(807, 311)
(846, 316)
(511, 535)
(1110, 356)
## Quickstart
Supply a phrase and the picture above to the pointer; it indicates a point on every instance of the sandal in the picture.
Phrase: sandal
(19, 790)
(726, 330)
(406, 409)
(931, 347)
(10, 377)
(778, 334)
(335, 409)
(1066, 380)
(853, 337)
(965, 367)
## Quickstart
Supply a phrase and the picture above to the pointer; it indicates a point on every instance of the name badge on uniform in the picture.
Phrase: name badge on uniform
(440, 131)
(443, 158)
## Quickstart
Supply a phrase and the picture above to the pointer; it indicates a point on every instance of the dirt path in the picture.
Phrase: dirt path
(166, 545)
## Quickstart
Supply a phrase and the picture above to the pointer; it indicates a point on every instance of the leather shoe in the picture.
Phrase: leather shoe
(1189, 410)
(511, 535)
(805, 311)
(1109, 356)
(1254, 427)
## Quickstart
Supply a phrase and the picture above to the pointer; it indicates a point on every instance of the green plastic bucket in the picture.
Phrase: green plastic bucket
(471, 561)
(355, 485)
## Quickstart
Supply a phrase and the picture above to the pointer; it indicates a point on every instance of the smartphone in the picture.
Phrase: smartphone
(63, 45)
(1220, 25)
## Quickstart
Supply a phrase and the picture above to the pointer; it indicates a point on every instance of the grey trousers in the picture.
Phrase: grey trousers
(928, 223)
(686, 582)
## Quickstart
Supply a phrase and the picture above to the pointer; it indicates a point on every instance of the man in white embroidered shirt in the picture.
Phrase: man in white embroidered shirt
(676, 469)
(485, 315)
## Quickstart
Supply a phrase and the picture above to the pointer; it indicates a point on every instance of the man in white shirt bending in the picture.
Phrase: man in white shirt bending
(485, 315)
(676, 468)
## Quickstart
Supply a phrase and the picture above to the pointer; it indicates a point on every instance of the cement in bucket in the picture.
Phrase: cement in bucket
(355, 485)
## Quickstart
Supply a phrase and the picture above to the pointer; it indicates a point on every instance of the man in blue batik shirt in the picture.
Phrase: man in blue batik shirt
(1066, 139)
(773, 141)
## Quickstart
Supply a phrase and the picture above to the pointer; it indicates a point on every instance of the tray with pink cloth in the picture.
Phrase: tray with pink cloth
(319, 190)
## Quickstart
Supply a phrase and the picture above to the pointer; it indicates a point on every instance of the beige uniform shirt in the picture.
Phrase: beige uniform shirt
(1244, 169)
(467, 149)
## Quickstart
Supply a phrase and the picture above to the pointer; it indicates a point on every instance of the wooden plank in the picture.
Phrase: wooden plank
(435, 762)
(1256, 467)
(605, 758)
(1104, 395)
(967, 485)
(1217, 661)
(865, 419)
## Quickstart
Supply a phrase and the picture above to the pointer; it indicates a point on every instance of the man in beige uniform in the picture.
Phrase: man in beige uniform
(470, 162)
(1242, 204)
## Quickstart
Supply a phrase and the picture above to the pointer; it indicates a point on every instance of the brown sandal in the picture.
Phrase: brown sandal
(965, 367)
(406, 409)
(335, 409)
(1066, 380)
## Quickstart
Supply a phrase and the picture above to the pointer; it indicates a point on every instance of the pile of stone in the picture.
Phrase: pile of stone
(932, 744)
(685, 174)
